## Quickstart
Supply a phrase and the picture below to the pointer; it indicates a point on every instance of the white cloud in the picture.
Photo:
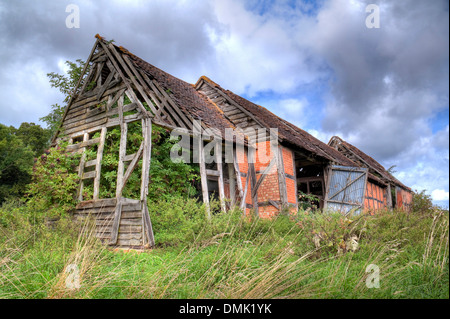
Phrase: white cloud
(381, 87)
(439, 194)
(256, 53)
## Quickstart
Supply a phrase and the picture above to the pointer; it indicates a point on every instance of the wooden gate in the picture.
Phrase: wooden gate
(346, 188)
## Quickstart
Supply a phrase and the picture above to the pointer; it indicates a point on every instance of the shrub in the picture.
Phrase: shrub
(54, 183)
(422, 203)
(176, 221)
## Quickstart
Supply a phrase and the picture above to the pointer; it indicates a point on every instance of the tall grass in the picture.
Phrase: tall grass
(309, 256)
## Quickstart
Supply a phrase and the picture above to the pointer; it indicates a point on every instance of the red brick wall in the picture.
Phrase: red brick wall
(375, 197)
(404, 199)
(288, 160)
(269, 188)
(291, 184)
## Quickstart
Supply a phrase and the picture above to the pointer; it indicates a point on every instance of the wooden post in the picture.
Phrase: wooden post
(244, 196)
(389, 196)
(147, 228)
(201, 159)
(231, 184)
(122, 149)
(238, 176)
(81, 168)
(252, 173)
(263, 175)
(281, 176)
(147, 134)
(116, 222)
(327, 179)
(218, 155)
(98, 165)
(295, 181)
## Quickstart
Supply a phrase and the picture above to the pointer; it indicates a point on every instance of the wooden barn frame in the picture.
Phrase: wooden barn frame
(112, 75)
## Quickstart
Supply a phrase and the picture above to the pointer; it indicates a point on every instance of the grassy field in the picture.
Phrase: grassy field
(309, 255)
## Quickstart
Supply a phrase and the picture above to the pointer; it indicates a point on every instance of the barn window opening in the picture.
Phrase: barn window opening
(310, 183)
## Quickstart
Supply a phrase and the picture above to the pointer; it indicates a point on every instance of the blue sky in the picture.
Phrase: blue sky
(314, 63)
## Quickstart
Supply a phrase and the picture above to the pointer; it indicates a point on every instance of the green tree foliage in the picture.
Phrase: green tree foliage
(54, 183)
(66, 85)
(34, 136)
(421, 202)
(53, 119)
(16, 161)
(167, 179)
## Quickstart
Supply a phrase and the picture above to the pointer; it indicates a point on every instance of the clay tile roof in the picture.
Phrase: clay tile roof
(287, 131)
(190, 102)
(195, 105)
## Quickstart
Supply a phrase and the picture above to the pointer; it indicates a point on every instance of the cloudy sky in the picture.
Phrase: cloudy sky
(314, 63)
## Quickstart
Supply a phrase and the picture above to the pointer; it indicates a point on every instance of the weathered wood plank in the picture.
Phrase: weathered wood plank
(244, 197)
(129, 157)
(98, 164)
(157, 96)
(229, 108)
(238, 175)
(238, 117)
(187, 122)
(120, 59)
(87, 143)
(218, 155)
(232, 184)
(149, 237)
(131, 222)
(72, 115)
(81, 169)
(89, 175)
(130, 235)
(131, 166)
(129, 242)
(142, 84)
(122, 148)
(93, 99)
(146, 156)
(105, 85)
(281, 174)
(75, 94)
(108, 202)
(101, 113)
(252, 171)
(274, 204)
(86, 126)
(87, 119)
(116, 223)
(211, 172)
(203, 176)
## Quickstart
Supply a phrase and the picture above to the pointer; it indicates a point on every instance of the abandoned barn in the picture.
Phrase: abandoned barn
(264, 166)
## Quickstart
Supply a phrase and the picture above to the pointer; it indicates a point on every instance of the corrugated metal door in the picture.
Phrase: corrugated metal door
(346, 189)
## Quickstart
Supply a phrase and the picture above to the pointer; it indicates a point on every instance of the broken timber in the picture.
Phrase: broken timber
(97, 105)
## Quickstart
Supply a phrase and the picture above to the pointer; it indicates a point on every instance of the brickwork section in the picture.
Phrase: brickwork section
(288, 160)
(375, 197)
(269, 188)
(291, 191)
